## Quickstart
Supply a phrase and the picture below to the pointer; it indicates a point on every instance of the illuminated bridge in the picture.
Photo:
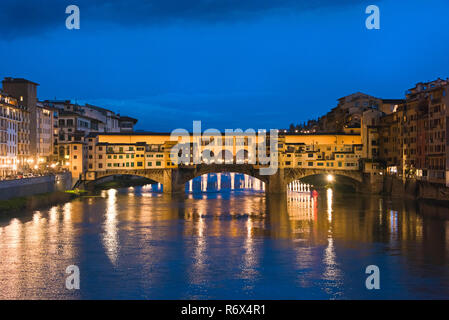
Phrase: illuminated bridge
(150, 155)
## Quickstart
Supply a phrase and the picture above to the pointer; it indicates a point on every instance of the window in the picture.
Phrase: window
(150, 164)
(109, 164)
(158, 163)
(139, 164)
(100, 165)
(310, 164)
(132, 164)
(75, 148)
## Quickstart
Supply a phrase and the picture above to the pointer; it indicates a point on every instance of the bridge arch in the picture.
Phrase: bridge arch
(185, 175)
(355, 177)
(154, 175)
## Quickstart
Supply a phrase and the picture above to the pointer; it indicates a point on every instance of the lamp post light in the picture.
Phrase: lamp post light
(330, 178)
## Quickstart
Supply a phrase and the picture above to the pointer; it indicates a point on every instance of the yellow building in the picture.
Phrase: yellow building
(320, 151)
(76, 159)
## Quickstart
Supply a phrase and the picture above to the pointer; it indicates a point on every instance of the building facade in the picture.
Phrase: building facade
(14, 135)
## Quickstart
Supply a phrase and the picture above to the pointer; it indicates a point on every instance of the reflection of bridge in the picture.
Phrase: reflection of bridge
(174, 179)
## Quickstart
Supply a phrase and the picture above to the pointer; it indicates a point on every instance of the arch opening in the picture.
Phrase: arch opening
(224, 181)
(325, 180)
(117, 181)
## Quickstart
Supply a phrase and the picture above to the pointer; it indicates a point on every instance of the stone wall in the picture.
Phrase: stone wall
(30, 186)
(415, 189)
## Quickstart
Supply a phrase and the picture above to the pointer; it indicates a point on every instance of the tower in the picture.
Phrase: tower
(25, 92)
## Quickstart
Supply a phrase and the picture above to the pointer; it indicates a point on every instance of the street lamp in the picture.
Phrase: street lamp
(330, 178)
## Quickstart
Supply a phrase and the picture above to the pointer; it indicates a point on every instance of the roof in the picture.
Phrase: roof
(126, 118)
(98, 108)
(358, 93)
(74, 114)
(43, 105)
(322, 134)
(18, 80)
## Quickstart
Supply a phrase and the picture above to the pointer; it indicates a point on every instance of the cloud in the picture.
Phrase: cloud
(30, 17)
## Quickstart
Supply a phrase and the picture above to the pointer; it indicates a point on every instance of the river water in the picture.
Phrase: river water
(137, 243)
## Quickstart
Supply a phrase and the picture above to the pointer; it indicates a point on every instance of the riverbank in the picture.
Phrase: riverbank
(38, 201)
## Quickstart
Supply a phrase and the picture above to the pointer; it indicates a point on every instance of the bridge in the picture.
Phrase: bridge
(173, 162)
(174, 179)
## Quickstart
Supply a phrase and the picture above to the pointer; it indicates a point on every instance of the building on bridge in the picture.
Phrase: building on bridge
(105, 154)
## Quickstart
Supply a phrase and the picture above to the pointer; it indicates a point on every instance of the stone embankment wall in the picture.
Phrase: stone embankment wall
(415, 189)
(31, 186)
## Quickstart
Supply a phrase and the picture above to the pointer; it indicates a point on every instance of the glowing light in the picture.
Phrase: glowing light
(330, 178)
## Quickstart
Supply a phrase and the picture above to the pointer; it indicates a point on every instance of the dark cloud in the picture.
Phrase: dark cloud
(28, 17)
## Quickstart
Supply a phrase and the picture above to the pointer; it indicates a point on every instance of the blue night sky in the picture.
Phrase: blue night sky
(231, 64)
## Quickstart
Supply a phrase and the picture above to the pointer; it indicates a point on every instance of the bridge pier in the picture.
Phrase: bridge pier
(372, 183)
(276, 183)
(172, 181)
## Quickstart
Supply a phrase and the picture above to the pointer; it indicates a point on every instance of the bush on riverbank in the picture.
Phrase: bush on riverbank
(36, 201)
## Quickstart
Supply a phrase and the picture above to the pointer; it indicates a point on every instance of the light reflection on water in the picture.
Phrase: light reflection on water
(137, 243)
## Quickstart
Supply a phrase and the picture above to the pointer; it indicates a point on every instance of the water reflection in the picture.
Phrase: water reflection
(110, 238)
(139, 243)
(329, 204)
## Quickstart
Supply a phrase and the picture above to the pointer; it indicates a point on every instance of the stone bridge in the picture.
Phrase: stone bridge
(174, 180)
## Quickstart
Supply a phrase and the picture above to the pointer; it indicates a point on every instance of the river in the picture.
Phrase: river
(137, 243)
